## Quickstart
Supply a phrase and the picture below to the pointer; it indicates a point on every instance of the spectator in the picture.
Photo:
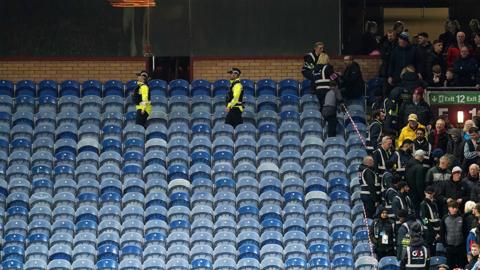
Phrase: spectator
(465, 68)
(438, 175)
(402, 55)
(370, 38)
(452, 234)
(408, 132)
(475, 29)
(455, 144)
(436, 58)
(466, 127)
(453, 52)
(382, 154)
(310, 60)
(438, 137)
(352, 82)
(448, 37)
(454, 189)
(471, 150)
(437, 77)
(391, 106)
(425, 49)
(442, 267)
(370, 186)
(430, 218)
(469, 216)
(399, 27)
(402, 156)
(332, 102)
(420, 143)
(473, 257)
(473, 238)
(472, 176)
(389, 194)
(416, 105)
(449, 78)
(375, 130)
(383, 234)
(402, 200)
(476, 52)
(416, 255)
(415, 177)
(387, 44)
(389, 177)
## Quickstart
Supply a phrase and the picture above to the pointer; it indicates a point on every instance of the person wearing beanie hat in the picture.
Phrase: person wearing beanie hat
(409, 131)
(416, 105)
(430, 218)
(402, 55)
(383, 234)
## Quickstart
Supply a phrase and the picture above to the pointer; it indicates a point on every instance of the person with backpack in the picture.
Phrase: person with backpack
(141, 99)
(416, 255)
(404, 232)
(332, 101)
(234, 99)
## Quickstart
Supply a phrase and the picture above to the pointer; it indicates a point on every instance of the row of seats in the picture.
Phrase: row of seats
(157, 87)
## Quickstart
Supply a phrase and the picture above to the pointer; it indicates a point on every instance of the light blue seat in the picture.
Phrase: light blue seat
(389, 263)
(158, 88)
(154, 264)
(267, 142)
(365, 263)
(35, 264)
(334, 155)
(335, 169)
(224, 264)
(267, 103)
(267, 117)
(90, 118)
(22, 131)
(91, 103)
(113, 104)
(289, 129)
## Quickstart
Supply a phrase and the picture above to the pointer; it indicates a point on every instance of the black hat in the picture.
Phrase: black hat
(235, 71)
(143, 73)
(429, 189)
(401, 184)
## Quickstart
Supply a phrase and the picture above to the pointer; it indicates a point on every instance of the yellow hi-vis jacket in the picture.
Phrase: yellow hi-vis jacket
(145, 104)
(236, 94)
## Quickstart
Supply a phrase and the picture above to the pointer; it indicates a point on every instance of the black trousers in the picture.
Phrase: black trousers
(234, 117)
(369, 205)
(141, 118)
(332, 125)
(456, 256)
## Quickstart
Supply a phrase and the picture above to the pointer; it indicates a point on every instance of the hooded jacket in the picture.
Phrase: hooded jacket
(408, 133)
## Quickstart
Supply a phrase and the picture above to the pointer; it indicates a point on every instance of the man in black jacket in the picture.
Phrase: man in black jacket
(436, 58)
(375, 130)
(417, 106)
(370, 186)
(455, 189)
(403, 55)
(387, 44)
(402, 200)
(465, 68)
(424, 48)
(382, 154)
(415, 177)
(352, 82)
(452, 234)
(421, 143)
(430, 218)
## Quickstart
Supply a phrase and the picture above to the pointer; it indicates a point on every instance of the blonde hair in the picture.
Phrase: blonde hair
(469, 206)
(317, 44)
(468, 124)
(323, 59)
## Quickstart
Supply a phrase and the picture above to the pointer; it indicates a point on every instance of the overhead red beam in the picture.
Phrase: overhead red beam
(132, 3)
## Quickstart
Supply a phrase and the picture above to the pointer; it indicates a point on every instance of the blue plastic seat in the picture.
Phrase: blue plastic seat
(342, 263)
(158, 88)
(70, 88)
(435, 261)
(179, 88)
(266, 87)
(113, 88)
(221, 88)
(6, 88)
(365, 263)
(201, 88)
(389, 263)
(25, 88)
(92, 88)
(267, 103)
(288, 87)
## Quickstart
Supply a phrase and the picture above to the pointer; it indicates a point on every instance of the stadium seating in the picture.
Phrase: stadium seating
(83, 187)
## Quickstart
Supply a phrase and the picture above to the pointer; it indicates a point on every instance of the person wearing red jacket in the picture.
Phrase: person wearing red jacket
(453, 52)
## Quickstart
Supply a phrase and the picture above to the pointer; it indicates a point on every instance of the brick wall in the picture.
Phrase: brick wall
(277, 69)
(63, 69)
(124, 68)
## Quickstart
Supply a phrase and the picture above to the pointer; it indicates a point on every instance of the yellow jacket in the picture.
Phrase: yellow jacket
(237, 91)
(145, 104)
(408, 133)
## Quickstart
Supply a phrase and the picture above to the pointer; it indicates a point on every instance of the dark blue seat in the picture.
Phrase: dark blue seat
(12, 264)
(179, 88)
(48, 88)
(6, 88)
(320, 262)
(92, 88)
(306, 87)
(157, 88)
(221, 88)
(248, 87)
(248, 251)
(105, 264)
(70, 88)
(130, 86)
(201, 88)
(288, 87)
(266, 87)
(25, 88)
(180, 198)
(113, 88)
(201, 264)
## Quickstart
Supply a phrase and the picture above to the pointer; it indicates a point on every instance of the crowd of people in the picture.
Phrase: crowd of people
(420, 182)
